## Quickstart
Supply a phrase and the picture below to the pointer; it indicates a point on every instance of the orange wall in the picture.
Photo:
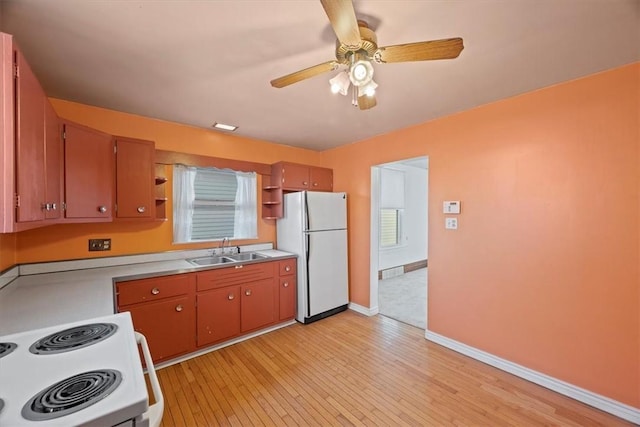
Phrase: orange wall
(69, 241)
(543, 269)
(7, 251)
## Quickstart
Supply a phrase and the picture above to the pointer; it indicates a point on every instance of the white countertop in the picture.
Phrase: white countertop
(50, 298)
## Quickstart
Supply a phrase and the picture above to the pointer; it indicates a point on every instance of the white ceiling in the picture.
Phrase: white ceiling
(197, 62)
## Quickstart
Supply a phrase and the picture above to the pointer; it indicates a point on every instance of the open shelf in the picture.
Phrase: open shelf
(161, 192)
(271, 199)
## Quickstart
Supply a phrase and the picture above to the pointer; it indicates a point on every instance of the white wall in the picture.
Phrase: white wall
(414, 246)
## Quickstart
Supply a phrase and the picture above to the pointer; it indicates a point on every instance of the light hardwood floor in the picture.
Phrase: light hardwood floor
(350, 369)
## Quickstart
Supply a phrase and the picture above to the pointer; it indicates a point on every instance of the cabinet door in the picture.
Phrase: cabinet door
(30, 101)
(135, 178)
(295, 177)
(321, 179)
(89, 164)
(168, 325)
(259, 303)
(218, 315)
(287, 295)
(53, 163)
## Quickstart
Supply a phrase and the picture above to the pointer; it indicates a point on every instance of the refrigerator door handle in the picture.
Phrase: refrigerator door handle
(306, 211)
(307, 252)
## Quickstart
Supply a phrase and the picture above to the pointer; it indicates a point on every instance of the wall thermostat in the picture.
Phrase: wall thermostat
(451, 207)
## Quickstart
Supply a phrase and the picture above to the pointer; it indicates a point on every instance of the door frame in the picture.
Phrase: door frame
(374, 249)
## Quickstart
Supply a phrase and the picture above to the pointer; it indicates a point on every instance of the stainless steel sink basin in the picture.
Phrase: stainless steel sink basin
(249, 256)
(226, 259)
(211, 260)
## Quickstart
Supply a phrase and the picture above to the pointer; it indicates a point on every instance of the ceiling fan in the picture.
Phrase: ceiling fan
(357, 47)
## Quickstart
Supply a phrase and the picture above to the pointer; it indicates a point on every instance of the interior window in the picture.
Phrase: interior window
(390, 231)
(211, 204)
(392, 191)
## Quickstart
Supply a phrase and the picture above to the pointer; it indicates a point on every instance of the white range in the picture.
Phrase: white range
(85, 373)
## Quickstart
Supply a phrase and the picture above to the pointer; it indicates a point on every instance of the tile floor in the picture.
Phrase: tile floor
(404, 298)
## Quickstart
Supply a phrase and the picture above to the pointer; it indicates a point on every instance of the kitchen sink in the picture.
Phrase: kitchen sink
(211, 260)
(225, 259)
(249, 256)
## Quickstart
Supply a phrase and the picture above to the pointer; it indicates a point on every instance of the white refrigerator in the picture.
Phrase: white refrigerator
(314, 227)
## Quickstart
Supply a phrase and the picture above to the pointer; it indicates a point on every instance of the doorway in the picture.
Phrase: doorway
(399, 250)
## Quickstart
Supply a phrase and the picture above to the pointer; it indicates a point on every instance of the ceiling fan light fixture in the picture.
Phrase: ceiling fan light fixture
(340, 83)
(370, 88)
(361, 70)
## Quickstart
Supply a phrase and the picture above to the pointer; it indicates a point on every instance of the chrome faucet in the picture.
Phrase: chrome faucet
(226, 239)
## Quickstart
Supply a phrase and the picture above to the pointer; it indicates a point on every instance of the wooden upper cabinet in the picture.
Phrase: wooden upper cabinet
(7, 132)
(321, 179)
(135, 179)
(89, 167)
(30, 164)
(38, 152)
(297, 177)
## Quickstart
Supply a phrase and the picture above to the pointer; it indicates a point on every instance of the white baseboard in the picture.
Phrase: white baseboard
(606, 404)
(363, 310)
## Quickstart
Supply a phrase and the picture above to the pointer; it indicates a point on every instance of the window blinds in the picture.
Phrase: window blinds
(214, 204)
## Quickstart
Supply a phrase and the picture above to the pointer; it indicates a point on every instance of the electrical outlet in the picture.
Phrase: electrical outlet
(99, 245)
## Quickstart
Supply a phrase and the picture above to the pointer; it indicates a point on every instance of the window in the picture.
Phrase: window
(390, 227)
(211, 204)
(392, 188)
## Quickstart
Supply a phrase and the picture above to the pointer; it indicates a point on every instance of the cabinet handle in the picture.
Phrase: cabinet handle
(230, 297)
(179, 308)
(315, 184)
(102, 209)
(155, 291)
(141, 209)
(305, 183)
(248, 292)
(239, 266)
(287, 268)
(285, 284)
(54, 206)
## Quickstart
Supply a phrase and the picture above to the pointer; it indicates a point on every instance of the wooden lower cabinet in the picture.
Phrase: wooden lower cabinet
(181, 313)
(287, 297)
(259, 304)
(163, 309)
(218, 315)
(167, 324)
(287, 289)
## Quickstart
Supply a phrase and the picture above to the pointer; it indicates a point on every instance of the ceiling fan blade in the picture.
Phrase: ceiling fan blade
(420, 51)
(307, 73)
(343, 20)
(365, 102)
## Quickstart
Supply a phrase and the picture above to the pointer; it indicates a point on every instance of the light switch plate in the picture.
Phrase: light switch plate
(451, 223)
(451, 207)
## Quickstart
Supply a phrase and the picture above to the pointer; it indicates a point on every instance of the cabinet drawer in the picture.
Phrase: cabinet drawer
(153, 289)
(288, 267)
(287, 296)
(235, 275)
